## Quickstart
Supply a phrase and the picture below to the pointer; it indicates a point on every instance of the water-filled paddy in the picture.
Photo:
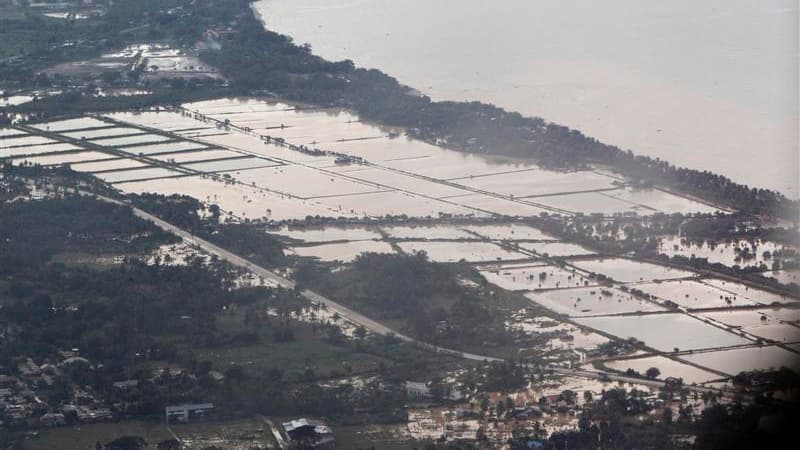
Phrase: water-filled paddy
(660, 331)
(668, 368)
(195, 156)
(742, 253)
(379, 204)
(694, 294)
(592, 301)
(539, 182)
(302, 182)
(629, 271)
(231, 164)
(426, 232)
(71, 124)
(24, 141)
(591, 202)
(329, 234)
(103, 133)
(112, 164)
(238, 200)
(393, 180)
(734, 361)
(534, 277)
(37, 149)
(456, 251)
(755, 295)
(136, 175)
(343, 251)
(65, 158)
(556, 248)
(495, 205)
(135, 140)
(169, 147)
(511, 232)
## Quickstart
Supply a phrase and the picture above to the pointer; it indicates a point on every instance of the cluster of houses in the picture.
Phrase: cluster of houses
(26, 388)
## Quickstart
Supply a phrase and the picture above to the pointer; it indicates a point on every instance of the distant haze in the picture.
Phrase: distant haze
(709, 84)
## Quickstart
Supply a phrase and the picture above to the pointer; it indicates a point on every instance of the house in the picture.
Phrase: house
(417, 390)
(188, 413)
(309, 431)
(52, 420)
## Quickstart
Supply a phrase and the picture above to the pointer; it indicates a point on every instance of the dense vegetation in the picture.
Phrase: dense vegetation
(427, 300)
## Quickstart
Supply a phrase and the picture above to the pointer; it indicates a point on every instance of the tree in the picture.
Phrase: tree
(126, 443)
(652, 373)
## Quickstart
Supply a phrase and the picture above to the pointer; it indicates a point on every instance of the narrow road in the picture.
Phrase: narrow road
(347, 313)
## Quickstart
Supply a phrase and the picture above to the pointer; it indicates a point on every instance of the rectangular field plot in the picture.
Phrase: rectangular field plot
(591, 202)
(694, 294)
(628, 271)
(539, 182)
(226, 165)
(661, 201)
(302, 182)
(756, 295)
(385, 149)
(137, 175)
(252, 144)
(343, 251)
(169, 147)
(103, 133)
(24, 141)
(196, 156)
(500, 206)
(556, 248)
(665, 332)
(451, 165)
(6, 133)
(140, 139)
(738, 360)
(65, 158)
(727, 253)
(508, 232)
(394, 203)
(426, 232)
(534, 277)
(457, 251)
(162, 120)
(235, 199)
(387, 179)
(329, 234)
(112, 164)
(784, 276)
(592, 301)
(38, 149)
(779, 332)
(71, 124)
(667, 367)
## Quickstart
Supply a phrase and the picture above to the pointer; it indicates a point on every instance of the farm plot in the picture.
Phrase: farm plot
(593, 301)
(629, 271)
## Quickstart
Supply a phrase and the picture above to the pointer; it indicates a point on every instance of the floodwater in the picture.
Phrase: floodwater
(668, 368)
(708, 85)
(658, 331)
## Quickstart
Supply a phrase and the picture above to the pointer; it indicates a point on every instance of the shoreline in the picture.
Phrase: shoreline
(260, 18)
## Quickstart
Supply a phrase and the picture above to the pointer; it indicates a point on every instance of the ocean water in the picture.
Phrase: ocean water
(707, 84)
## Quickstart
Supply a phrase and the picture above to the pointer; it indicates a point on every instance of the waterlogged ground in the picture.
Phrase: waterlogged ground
(278, 162)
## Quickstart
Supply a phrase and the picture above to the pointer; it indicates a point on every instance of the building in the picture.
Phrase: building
(188, 413)
(314, 432)
(416, 389)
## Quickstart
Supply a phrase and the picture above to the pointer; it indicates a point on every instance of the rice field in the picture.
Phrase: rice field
(694, 294)
(457, 251)
(658, 331)
(742, 253)
(150, 173)
(422, 232)
(629, 271)
(556, 249)
(329, 234)
(38, 150)
(592, 301)
(667, 367)
(533, 277)
(734, 361)
(342, 251)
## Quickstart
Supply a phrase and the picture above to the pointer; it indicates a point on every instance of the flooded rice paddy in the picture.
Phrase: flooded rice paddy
(667, 367)
(629, 271)
(593, 301)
